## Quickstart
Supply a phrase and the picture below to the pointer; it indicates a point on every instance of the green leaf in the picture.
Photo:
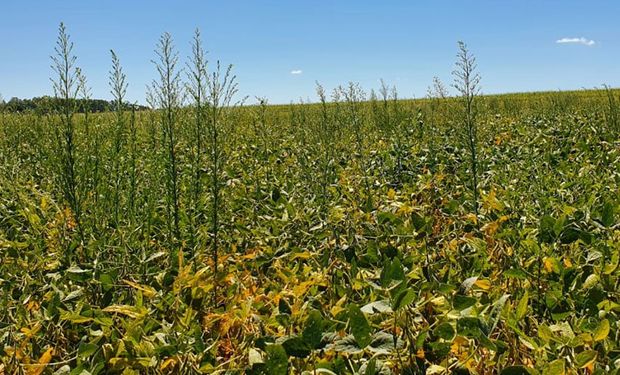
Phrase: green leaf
(607, 214)
(555, 368)
(469, 327)
(585, 358)
(444, 331)
(522, 306)
(371, 368)
(283, 307)
(296, 347)
(571, 234)
(85, 350)
(528, 341)
(277, 360)
(359, 326)
(515, 273)
(546, 232)
(74, 317)
(418, 222)
(384, 343)
(314, 329)
(387, 217)
(461, 302)
(392, 271)
(487, 343)
(346, 344)
(545, 333)
(107, 281)
(404, 298)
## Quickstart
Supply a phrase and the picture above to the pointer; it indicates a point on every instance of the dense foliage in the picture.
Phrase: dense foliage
(48, 104)
(335, 238)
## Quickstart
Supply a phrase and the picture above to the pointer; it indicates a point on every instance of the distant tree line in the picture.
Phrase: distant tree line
(49, 104)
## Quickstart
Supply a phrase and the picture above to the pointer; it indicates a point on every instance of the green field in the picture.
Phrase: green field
(361, 234)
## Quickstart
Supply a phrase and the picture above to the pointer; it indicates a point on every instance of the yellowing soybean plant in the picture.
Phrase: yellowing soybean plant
(362, 234)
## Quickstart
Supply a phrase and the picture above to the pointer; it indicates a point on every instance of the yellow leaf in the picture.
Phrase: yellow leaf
(38, 368)
(130, 311)
(440, 302)
(336, 214)
(551, 265)
(336, 310)
(391, 194)
(148, 291)
(453, 244)
(168, 363)
(43, 203)
(303, 255)
(226, 323)
(420, 353)
(32, 306)
(301, 288)
(601, 331)
(490, 228)
(249, 256)
(29, 332)
(404, 210)
(491, 203)
(472, 217)
(457, 343)
(435, 370)
(483, 284)
(74, 317)
(591, 281)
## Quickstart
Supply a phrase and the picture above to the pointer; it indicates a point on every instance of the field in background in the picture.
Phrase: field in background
(338, 237)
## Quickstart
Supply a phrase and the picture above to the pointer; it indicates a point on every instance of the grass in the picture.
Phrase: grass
(204, 236)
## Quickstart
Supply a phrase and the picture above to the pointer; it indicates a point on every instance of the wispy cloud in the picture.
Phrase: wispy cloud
(296, 72)
(582, 40)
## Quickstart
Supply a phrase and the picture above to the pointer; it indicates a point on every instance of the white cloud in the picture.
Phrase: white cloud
(582, 40)
(296, 71)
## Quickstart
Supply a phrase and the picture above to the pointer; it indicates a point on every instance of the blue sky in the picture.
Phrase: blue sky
(404, 42)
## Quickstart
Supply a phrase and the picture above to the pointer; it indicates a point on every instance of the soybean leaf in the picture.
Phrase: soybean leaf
(359, 326)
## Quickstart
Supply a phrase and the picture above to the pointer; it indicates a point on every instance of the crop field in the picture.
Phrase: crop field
(358, 234)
